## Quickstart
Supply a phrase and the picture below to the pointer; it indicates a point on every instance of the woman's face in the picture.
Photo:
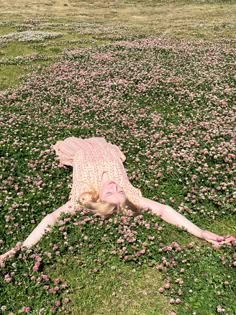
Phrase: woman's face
(110, 191)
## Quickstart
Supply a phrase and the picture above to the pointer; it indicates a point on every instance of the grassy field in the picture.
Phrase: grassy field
(156, 78)
(94, 23)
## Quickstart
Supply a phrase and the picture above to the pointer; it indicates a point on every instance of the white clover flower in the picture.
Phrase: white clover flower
(28, 36)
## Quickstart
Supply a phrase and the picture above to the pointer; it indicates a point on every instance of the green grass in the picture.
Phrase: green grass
(10, 75)
(14, 49)
(51, 51)
(4, 30)
(115, 288)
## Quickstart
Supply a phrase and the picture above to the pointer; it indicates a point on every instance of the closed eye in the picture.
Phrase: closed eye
(108, 193)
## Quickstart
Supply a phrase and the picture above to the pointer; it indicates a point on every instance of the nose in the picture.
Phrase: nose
(105, 177)
(113, 187)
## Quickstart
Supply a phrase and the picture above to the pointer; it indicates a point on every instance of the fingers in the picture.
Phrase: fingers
(216, 245)
(217, 240)
(3, 258)
(10, 253)
(18, 246)
(230, 240)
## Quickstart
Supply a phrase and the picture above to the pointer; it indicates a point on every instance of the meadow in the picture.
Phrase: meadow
(157, 79)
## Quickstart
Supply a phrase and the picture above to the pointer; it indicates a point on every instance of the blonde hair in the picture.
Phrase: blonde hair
(105, 209)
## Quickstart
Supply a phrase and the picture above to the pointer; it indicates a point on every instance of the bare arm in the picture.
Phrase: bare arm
(171, 216)
(39, 231)
(45, 224)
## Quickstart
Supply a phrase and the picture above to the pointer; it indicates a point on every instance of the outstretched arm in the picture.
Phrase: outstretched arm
(169, 215)
(45, 225)
(39, 231)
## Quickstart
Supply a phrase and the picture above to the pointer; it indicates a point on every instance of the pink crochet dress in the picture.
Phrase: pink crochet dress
(90, 158)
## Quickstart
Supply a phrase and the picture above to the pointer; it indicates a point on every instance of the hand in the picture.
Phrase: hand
(10, 253)
(218, 240)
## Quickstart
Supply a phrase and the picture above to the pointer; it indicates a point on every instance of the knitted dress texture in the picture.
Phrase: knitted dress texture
(90, 158)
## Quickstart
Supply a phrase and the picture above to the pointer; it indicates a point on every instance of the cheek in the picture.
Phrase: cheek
(110, 199)
(102, 193)
(115, 199)
(103, 189)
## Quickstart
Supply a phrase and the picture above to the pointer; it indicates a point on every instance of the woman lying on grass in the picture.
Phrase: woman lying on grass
(100, 183)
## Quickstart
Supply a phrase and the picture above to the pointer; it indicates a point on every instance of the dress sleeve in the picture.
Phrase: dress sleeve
(118, 152)
(67, 149)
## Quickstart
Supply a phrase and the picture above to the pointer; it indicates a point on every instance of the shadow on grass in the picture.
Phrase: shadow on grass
(113, 288)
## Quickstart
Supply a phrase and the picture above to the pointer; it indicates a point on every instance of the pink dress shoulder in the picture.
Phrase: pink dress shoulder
(90, 158)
